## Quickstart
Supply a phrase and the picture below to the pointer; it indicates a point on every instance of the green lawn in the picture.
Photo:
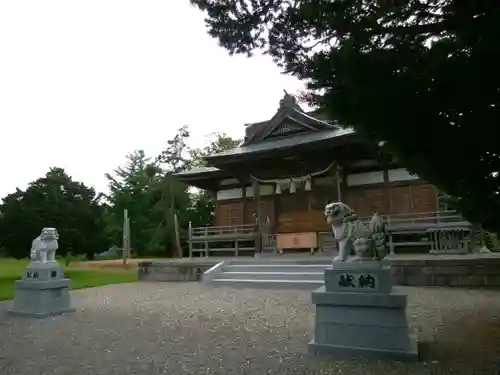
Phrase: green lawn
(12, 269)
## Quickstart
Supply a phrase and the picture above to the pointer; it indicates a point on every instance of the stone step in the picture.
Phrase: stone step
(266, 259)
(308, 268)
(269, 284)
(319, 276)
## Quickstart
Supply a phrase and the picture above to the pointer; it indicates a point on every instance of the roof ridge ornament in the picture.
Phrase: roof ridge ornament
(289, 101)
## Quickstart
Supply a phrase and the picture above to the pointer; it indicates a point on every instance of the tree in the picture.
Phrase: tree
(152, 195)
(131, 187)
(174, 198)
(146, 188)
(174, 157)
(419, 77)
(54, 200)
(220, 142)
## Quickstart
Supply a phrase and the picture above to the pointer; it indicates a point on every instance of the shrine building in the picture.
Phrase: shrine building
(295, 163)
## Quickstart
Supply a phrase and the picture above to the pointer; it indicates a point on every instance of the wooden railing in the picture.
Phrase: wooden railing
(235, 239)
(201, 233)
(424, 220)
(242, 238)
(268, 242)
(419, 231)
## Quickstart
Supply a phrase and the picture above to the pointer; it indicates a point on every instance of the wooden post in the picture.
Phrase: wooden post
(206, 241)
(391, 244)
(387, 187)
(190, 237)
(258, 232)
(338, 181)
(244, 197)
(126, 237)
(177, 238)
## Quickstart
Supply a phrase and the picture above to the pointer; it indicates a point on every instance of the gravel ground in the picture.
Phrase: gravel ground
(190, 328)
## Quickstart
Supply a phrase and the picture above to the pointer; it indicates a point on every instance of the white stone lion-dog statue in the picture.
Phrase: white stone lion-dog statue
(44, 247)
(369, 243)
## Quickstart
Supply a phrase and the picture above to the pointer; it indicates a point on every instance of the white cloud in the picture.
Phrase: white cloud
(84, 83)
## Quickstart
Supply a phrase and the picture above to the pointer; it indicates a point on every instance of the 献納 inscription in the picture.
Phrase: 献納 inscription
(358, 281)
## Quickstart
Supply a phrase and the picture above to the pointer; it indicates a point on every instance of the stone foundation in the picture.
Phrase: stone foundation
(459, 271)
(359, 315)
(42, 292)
(173, 271)
(470, 270)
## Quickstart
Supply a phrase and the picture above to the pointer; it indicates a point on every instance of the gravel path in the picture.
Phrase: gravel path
(190, 328)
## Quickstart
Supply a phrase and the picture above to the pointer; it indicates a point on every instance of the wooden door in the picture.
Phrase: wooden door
(266, 210)
(229, 213)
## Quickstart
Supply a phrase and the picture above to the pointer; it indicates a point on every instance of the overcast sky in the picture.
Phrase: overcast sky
(82, 83)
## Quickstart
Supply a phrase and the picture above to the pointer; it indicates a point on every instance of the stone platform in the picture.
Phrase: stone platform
(167, 270)
(454, 270)
(460, 270)
(359, 314)
(43, 291)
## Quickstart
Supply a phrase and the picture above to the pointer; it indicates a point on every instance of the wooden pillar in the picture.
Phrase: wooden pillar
(383, 160)
(244, 196)
(437, 206)
(387, 187)
(258, 231)
(338, 181)
(276, 208)
(217, 213)
(190, 238)
(206, 241)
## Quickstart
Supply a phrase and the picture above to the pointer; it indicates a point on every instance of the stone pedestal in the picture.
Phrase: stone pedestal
(358, 314)
(43, 291)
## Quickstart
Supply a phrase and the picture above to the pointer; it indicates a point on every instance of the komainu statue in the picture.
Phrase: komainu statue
(369, 243)
(43, 248)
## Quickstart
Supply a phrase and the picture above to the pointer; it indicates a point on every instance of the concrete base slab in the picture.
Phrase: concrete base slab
(338, 351)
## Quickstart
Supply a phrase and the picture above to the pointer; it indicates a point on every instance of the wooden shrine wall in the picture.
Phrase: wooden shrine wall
(398, 198)
(305, 221)
(366, 200)
(304, 211)
(241, 211)
(414, 198)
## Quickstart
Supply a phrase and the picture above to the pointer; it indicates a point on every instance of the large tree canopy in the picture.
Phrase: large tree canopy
(55, 200)
(421, 76)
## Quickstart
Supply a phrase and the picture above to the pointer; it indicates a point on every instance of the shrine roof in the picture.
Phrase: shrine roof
(197, 171)
(283, 143)
(202, 177)
(290, 130)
